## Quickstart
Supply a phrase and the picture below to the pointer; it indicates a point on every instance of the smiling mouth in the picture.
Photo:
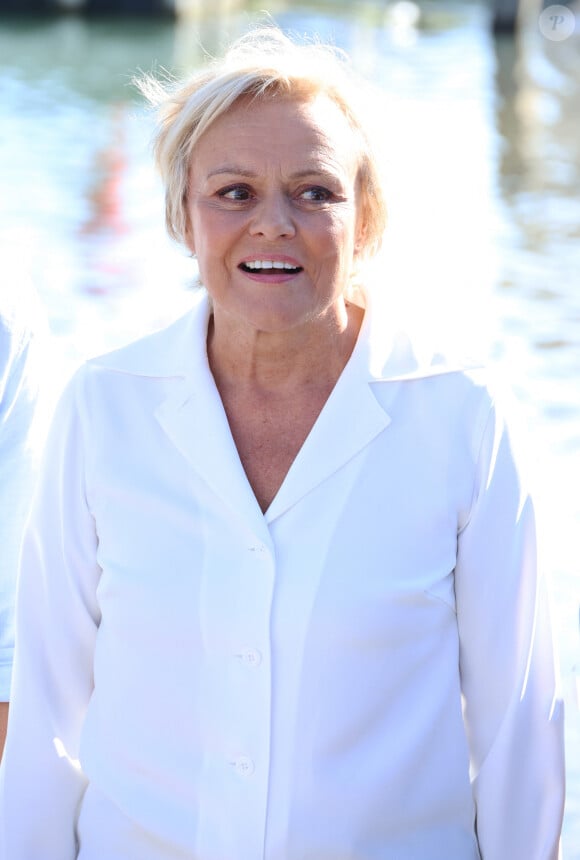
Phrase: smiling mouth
(269, 267)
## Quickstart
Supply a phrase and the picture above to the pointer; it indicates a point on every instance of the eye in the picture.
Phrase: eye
(316, 194)
(237, 193)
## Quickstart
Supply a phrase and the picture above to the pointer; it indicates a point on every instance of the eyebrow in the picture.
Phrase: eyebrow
(231, 168)
(236, 170)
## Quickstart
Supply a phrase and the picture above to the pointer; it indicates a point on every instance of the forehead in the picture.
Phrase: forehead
(292, 133)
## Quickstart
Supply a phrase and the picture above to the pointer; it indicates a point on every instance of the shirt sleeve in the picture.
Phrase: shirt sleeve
(41, 784)
(19, 446)
(513, 713)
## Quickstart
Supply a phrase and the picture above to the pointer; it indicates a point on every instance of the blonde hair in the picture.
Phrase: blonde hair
(263, 63)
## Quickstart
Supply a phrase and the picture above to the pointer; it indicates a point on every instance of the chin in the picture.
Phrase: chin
(277, 317)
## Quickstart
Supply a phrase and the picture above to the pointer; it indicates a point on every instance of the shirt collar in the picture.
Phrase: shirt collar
(383, 352)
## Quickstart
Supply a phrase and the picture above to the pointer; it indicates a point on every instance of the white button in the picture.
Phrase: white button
(258, 548)
(243, 765)
(250, 656)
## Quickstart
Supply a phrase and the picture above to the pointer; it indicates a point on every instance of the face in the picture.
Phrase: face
(272, 211)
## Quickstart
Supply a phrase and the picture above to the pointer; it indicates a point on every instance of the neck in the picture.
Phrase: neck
(311, 354)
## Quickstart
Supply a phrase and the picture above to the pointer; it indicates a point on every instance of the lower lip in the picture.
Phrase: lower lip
(278, 277)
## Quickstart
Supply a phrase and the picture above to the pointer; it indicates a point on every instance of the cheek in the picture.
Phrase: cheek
(342, 236)
(336, 233)
(222, 230)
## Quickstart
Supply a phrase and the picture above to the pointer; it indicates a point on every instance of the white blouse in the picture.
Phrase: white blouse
(365, 672)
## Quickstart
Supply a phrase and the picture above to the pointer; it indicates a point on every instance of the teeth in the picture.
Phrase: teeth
(270, 264)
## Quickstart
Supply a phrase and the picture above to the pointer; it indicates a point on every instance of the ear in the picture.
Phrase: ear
(362, 222)
(360, 239)
(188, 236)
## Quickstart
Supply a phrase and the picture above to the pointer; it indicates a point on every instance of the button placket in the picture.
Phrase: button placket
(250, 692)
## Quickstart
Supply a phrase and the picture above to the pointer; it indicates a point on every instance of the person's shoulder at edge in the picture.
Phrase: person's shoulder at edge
(22, 316)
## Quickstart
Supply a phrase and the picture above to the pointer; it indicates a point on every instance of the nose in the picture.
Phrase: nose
(272, 218)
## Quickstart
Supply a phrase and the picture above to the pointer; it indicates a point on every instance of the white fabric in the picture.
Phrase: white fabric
(283, 686)
(20, 362)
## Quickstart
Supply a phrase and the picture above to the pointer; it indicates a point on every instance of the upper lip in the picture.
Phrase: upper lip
(268, 257)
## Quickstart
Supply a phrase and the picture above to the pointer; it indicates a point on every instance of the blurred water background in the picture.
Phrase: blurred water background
(481, 138)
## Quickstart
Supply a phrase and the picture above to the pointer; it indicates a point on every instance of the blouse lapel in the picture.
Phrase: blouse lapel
(194, 419)
(351, 418)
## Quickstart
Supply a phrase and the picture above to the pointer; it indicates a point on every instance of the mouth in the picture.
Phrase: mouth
(270, 267)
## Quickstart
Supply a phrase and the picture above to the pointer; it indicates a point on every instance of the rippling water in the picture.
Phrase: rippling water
(482, 150)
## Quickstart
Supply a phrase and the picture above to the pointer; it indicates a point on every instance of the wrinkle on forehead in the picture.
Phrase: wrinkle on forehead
(333, 147)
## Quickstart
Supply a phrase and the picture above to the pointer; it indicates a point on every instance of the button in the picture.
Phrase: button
(250, 656)
(257, 548)
(243, 765)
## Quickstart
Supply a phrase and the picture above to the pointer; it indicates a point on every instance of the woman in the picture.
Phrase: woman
(279, 590)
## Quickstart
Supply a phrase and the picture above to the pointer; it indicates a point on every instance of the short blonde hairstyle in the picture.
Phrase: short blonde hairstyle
(263, 63)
